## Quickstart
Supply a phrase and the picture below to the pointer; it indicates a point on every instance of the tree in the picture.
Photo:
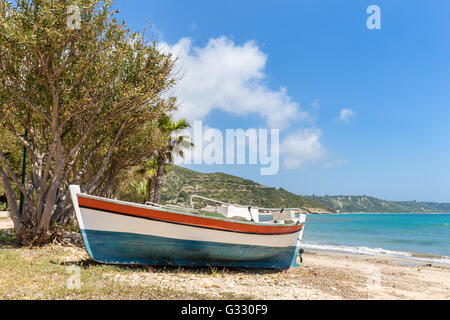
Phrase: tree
(142, 189)
(89, 99)
(146, 171)
(173, 146)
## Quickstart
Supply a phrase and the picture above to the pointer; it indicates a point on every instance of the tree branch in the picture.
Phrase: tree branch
(105, 162)
(13, 177)
(32, 106)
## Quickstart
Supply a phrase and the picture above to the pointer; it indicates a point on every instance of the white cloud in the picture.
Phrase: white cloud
(346, 114)
(229, 77)
(302, 147)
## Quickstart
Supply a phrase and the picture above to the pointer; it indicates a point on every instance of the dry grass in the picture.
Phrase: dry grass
(50, 272)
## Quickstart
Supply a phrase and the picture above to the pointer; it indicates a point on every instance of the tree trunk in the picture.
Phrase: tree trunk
(156, 185)
(13, 210)
(149, 189)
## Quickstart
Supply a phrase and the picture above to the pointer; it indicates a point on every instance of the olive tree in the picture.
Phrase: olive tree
(89, 94)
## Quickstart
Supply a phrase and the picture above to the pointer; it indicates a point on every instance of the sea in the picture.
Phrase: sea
(422, 237)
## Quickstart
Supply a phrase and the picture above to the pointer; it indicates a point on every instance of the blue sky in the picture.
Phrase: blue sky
(396, 81)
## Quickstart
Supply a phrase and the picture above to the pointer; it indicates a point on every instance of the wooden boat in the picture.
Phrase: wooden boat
(223, 235)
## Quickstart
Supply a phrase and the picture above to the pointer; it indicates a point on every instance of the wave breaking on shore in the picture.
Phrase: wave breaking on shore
(360, 250)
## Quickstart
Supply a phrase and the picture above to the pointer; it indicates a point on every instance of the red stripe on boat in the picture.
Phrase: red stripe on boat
(185, 219)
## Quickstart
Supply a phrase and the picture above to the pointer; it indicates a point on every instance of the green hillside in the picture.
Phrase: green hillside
(374, 205)
(180, 183)
(426, 207)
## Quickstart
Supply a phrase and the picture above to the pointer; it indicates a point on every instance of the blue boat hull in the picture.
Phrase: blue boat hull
(130, 248)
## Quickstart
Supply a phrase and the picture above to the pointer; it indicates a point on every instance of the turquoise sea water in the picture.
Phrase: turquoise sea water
(415, 236)
(423, 237)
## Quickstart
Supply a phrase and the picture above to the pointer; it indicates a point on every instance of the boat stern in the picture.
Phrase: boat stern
(297, 259)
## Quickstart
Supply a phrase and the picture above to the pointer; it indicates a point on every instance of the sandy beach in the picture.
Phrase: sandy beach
(325, 276)
(322, 276)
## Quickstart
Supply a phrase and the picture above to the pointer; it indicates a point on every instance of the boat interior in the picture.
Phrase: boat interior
(213, 208)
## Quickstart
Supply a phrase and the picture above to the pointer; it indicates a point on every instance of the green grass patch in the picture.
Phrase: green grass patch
(7, 238)
(57, 272)
(51, 273)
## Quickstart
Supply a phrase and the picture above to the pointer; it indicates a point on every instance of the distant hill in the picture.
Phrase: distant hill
(180, 183)
(373, 205)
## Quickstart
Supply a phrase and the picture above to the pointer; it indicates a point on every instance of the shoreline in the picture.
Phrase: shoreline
(410, 261)
(412, 257)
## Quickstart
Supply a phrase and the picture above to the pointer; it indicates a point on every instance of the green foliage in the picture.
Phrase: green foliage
(131, 185)
(7, 237)
(213, 271)
(141, 189)
(175, 143)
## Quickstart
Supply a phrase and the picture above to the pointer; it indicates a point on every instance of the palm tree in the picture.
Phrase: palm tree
(141, 189)
(146, 170)
(174, 146)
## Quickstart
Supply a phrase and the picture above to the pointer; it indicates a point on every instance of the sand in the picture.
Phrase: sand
(323, 275)
(326, 276)
(375, 277)
(5, 222)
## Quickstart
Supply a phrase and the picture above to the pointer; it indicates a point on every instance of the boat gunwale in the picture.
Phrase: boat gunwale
(187, 214)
